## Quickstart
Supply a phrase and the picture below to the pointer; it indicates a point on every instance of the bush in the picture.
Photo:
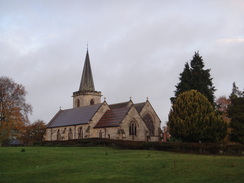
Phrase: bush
(196, 148)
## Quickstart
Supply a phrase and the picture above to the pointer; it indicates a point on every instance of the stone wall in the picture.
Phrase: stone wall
(148, 109)
(85, 98)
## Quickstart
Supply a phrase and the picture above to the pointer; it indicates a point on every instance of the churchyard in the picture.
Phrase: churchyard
(105, 164)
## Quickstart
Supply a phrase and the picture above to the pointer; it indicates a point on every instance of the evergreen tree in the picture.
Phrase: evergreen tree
(192, 118)
(236, 92)
(196, 78)
(236, 113)
(185, 84)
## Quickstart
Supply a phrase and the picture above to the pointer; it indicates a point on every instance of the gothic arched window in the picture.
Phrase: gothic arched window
(149, 123)
(132, 128)
(80, 133)
(92, 102)
(70, 134)
(58, 135)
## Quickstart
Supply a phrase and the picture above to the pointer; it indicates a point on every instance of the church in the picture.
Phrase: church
(91, 118)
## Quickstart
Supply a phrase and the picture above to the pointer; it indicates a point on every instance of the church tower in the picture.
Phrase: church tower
(86, 95)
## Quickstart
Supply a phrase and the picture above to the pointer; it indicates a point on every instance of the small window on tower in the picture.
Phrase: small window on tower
(92, 102)
(77, 103)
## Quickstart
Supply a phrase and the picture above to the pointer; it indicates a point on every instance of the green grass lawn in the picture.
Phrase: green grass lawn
(103, 164)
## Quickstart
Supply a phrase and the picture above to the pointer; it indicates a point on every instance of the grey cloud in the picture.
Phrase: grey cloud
(137, 48)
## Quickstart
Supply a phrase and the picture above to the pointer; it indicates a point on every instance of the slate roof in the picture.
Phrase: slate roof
(74, 116)
(114, 116)
(82, 115)
(139, 106)
(120, 105)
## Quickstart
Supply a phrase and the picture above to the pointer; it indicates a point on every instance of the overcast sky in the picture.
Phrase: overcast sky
(137, 48)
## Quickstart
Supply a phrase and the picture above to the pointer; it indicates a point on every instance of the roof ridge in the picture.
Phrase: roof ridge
(77, 108)
(139, 106)
(118, 116)
(119, 103)
(54, 117)
(120, 108)
(140, 103)
(74, 116)
(129, 108)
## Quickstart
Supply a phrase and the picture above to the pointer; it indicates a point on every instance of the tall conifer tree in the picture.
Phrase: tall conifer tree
(236, 113)
(196, 78)
(185, 84)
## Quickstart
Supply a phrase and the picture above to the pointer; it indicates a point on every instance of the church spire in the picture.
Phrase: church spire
(86, 95)
(87, 83)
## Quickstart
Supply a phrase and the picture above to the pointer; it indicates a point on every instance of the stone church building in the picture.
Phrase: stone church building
(91, 118)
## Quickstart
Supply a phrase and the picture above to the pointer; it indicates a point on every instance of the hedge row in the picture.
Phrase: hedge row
(196, 148)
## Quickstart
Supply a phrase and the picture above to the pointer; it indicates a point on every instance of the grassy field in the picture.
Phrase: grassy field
(102, 164)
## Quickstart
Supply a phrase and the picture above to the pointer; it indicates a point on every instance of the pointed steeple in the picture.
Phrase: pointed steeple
(86, 95)
(87, 83)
